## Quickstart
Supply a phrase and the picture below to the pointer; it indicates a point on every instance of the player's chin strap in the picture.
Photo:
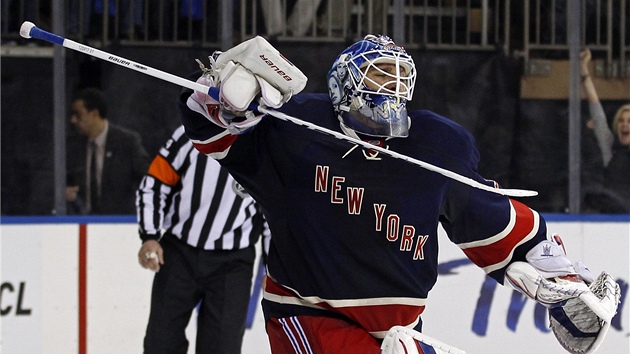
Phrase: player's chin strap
(580, 308)
(403, 340)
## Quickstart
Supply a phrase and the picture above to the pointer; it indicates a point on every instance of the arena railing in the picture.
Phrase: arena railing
(528, 28)
(604, 30)
(439, 24)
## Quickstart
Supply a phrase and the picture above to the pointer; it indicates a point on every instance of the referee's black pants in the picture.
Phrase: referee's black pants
(218, 281)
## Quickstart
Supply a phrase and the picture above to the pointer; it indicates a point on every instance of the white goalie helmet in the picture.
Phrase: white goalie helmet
(370, 83)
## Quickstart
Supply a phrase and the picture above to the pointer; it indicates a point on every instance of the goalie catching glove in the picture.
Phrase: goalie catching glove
(580, 307)
(253, 69)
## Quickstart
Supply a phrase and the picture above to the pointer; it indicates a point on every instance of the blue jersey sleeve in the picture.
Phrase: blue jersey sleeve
(491, 229)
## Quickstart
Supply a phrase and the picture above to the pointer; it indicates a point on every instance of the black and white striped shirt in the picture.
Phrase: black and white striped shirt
(191, 196)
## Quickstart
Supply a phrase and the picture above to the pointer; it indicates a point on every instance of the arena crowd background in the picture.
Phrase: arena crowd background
(502, 68)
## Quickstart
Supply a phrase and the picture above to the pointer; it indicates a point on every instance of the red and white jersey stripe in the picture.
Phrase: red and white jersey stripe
(377, 315)
(496, 252)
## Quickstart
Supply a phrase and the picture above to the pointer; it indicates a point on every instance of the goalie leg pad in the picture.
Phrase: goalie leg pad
(403, 340)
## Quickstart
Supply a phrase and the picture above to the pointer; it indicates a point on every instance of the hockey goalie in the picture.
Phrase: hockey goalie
(354, 247)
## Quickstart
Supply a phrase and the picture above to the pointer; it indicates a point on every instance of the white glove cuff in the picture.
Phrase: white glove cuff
(251, 120)
(550, 260)
(202, 97)
(210, 108)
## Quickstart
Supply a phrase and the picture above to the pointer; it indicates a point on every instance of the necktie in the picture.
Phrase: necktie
(94, 199)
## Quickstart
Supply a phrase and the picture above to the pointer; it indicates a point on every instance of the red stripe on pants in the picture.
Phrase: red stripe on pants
(321, 335)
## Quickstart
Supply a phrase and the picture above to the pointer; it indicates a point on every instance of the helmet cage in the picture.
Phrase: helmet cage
(399, 83)
(369, 96)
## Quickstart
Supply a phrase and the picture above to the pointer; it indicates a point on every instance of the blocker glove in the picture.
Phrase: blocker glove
(253, 71)
(580, 306)
(230, 110)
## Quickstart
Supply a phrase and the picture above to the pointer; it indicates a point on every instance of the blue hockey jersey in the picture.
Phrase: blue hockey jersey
(354, 232)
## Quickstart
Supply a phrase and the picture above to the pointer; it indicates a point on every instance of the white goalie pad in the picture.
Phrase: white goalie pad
(403, 340)
(580, 314)
(265, 61)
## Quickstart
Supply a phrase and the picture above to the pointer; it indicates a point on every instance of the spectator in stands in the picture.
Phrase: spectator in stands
(105, 162)
(204, 256)
(614, 144)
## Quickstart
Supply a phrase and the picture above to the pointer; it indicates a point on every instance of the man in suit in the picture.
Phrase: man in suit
(105, 163)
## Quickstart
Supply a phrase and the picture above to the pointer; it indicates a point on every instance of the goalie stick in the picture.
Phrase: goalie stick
(29, 30)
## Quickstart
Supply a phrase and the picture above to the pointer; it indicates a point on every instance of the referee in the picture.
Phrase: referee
(199, 229)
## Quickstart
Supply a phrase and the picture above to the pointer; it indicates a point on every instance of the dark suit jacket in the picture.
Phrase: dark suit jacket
(125, 163)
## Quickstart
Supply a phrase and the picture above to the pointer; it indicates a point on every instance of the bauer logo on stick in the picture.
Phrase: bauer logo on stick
(118, 60)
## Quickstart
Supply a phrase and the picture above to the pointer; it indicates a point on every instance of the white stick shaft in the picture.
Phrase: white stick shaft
(450, 174)
(35, 32)
(134, 66)
(30, 30)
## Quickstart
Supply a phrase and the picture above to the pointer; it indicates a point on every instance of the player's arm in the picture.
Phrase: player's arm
(154, 194)
(605, 137)
(492, 230)
(164, 173)
(151, 207)
(518, 252)
(510, 242)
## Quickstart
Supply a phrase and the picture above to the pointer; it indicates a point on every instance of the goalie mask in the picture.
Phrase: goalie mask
(370, 83)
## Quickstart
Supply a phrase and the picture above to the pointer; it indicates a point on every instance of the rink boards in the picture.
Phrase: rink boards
(75, 287)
